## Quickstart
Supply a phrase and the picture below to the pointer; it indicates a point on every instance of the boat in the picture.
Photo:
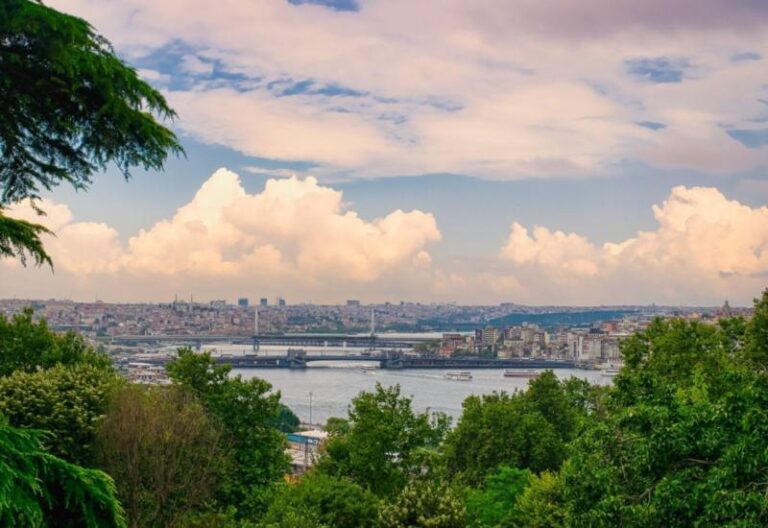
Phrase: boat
(458, 376)
(528, 374)
(610, 372)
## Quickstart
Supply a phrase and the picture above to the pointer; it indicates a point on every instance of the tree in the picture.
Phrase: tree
(756, 335)
(499, 429)
(166, 453)
(68, 107)
(286, 421)
(66, 401)
(248, 411)
(323, 500)
(381, 448)
(39, 489)
(424, 504)
(495, 504)
(681, 441)
(28, 346)
(19, 237)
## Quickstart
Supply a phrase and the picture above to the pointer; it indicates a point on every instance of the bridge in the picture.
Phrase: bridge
(299, 359)
(369, 342)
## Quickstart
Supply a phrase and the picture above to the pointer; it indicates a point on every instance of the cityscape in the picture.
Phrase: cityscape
(583, 334)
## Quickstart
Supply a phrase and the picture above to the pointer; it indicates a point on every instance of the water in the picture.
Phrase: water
(334, 387)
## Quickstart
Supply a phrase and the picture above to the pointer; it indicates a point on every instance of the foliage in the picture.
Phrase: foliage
(756, 334)
(286, 421)
(66, 401)
(69, 106)
(424, 504)
(248, 412)
(28, 346)
(164, 451)
(320, 499)
(39, 489)
(528, 430)
(682, 440)
(541, 504)
(495, 504)
(19, 237)
(382, 447)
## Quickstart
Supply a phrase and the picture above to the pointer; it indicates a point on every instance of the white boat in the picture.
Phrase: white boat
(458, 376)
(610, 372)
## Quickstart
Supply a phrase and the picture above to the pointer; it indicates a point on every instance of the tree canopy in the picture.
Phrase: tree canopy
(69, 106)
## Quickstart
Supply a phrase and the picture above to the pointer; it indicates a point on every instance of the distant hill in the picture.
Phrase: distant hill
(584, 318)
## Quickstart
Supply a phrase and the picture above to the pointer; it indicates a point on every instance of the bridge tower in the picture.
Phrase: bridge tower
(255, 328)
(373, 322)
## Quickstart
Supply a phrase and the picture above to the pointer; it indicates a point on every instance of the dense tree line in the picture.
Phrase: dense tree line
(678, 440)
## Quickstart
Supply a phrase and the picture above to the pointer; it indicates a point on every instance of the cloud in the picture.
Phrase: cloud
(295, 234)
(706, 247)
(381, 88)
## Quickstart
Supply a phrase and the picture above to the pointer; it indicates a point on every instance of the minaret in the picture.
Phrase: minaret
(256, 320)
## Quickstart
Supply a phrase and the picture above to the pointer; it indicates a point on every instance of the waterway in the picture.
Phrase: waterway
(332, 387)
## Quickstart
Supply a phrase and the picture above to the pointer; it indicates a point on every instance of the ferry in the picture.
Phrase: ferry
(458, 376)
(610, 372)
(528, 374)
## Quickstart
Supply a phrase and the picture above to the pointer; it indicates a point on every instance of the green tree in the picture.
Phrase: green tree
(66, 401)
(424, 504)
(541, 503)
(166, 453)
(381, 447)
(681, 442)
(248, 411)
(286, 421)
(495, 503)
(319, 499)
(527, 430)
(19, 238)
(68, 107)
(28, 346)
(756, 334)
(38, 489)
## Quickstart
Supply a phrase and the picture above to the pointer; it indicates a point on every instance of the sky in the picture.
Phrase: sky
(539, 152)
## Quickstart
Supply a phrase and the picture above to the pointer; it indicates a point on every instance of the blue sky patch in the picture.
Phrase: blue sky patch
(746, 56)
(750, 138)
(336, 5)
(658, 69)
(652, 125)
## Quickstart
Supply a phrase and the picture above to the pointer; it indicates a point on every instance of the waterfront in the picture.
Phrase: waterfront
(334, 387)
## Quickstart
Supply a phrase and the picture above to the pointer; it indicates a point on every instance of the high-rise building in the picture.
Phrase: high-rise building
(353, 302)
(280, 301)
(243, 301)
(264, 301)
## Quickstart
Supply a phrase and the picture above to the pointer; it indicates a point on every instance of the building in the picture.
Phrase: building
(353, 303)
(303, 449)
(243, 302)
(264, 301)
(280, 301)
(491, 336)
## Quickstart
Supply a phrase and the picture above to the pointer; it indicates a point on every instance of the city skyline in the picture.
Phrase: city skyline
(474, 153)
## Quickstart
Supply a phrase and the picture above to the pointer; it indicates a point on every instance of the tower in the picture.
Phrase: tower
(256, 321)
(373, 322)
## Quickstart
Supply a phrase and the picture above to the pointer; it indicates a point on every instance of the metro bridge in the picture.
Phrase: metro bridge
(365, 341)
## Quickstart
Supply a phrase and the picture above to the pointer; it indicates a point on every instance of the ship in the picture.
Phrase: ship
(528, 374)
(458, 376)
